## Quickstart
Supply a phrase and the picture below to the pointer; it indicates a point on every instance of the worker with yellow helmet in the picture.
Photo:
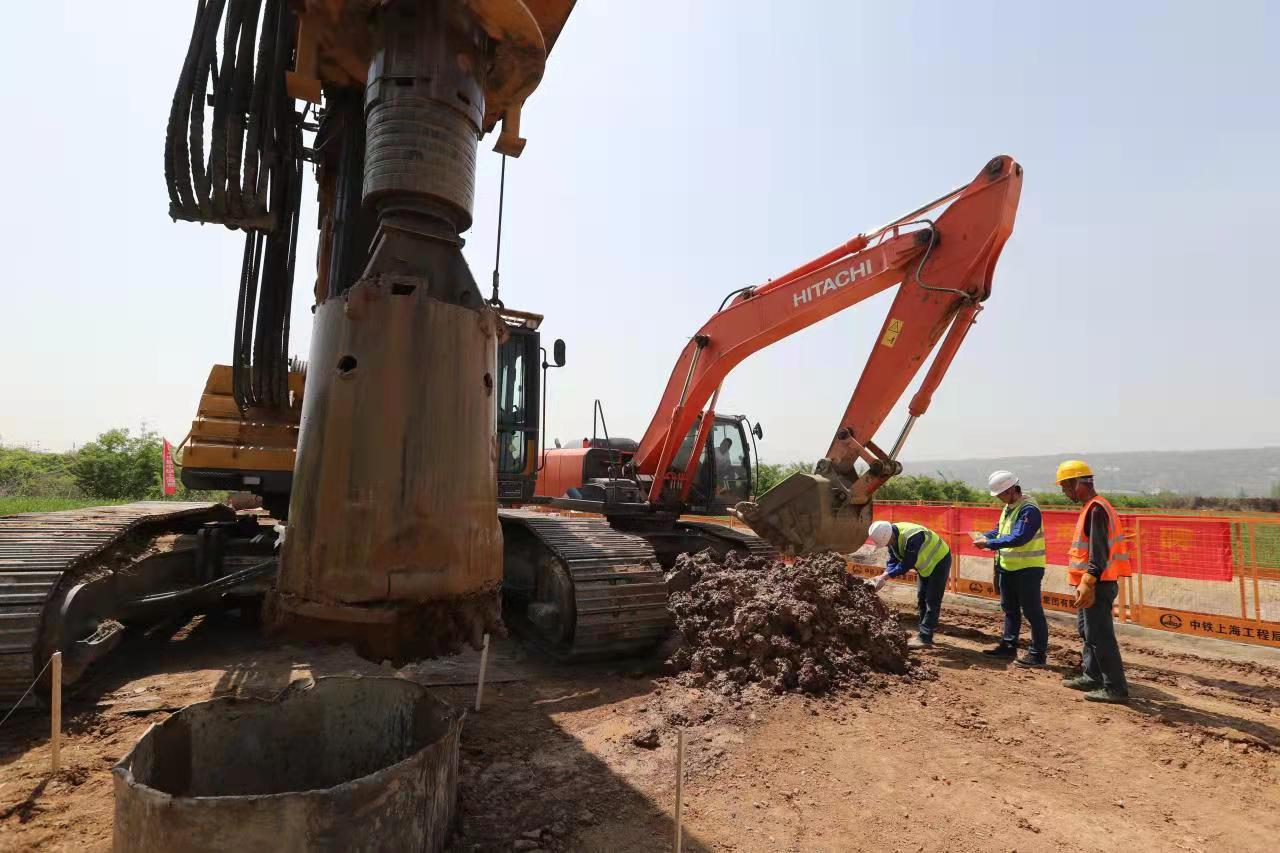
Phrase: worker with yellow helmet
(1098, 558)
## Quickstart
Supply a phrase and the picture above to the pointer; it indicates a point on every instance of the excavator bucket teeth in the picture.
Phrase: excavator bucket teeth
(801, 516)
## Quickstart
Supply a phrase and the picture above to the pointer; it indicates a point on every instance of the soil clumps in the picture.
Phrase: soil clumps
(808, 626)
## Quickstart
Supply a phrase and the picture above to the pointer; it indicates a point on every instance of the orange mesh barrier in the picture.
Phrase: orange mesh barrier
(1208, 575)
(1197, 548)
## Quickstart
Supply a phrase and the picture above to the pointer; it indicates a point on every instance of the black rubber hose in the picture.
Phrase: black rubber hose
(221, 107)
(206, 67)
(241, 93)
(254, 191)
(241, 346)
(175, 153)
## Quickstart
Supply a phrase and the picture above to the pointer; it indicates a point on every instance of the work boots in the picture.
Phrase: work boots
(1110, 696)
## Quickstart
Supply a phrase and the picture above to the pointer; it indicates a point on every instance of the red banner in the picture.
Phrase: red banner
(166, 468)
(970, 520)
(1199, 549)
(1059, 528)
(939, 519)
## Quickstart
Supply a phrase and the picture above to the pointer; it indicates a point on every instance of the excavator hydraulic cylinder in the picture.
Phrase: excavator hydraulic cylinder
(393, 540)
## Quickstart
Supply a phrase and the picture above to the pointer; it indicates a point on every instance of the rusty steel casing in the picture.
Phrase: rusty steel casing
(350, 764)
(393, 539)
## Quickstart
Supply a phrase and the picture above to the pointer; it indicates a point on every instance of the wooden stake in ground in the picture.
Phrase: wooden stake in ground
(679, 787)
(55, 707)
(484, 665)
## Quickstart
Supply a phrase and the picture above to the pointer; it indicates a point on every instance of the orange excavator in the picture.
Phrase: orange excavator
(945, 267)
(582, 584)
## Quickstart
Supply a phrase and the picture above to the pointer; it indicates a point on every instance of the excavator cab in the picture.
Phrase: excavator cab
(595, 475)
(726, 474)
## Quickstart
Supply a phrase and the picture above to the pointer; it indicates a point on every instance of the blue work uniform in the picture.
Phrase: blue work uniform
(1020, 589)
(930, 586)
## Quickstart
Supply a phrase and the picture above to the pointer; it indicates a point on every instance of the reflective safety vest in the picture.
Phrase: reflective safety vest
(1030, 554)
(932, 550)
(1117, 545)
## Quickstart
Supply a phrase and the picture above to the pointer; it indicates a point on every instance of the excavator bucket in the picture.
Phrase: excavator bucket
(801, 515)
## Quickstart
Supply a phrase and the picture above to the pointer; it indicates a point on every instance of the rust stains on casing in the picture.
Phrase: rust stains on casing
(393, 521)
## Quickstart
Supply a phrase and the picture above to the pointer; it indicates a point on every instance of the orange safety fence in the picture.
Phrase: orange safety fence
(1208, 575)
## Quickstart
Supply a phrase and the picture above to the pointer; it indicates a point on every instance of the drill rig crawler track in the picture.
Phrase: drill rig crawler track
(69, 579)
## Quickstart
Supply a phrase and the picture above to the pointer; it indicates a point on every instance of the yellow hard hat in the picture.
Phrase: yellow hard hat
(1073, 468)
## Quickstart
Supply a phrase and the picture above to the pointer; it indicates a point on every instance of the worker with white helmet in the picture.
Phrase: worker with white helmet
(1018, 541)
(912, 546)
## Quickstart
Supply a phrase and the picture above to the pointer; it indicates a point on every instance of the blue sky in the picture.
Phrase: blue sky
(681, 150)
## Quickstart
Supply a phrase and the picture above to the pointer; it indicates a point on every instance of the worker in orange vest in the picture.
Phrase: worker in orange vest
(1098, 558)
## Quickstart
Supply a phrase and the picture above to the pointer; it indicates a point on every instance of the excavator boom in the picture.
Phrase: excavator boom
(944, 267)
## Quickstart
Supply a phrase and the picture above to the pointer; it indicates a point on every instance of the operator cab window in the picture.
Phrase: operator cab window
(511, 406)
(733, 471)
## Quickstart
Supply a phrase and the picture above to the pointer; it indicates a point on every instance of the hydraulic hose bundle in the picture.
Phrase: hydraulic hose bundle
(246, 175)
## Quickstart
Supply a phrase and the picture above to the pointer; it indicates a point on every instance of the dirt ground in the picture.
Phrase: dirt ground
(978, 756)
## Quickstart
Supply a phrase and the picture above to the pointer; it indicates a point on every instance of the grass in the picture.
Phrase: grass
(15, 505)
(1265, 544)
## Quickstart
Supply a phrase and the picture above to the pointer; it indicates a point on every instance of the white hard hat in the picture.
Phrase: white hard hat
(999, 481)
(881, 532)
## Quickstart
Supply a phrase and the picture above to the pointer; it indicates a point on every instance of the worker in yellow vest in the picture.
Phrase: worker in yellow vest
(912, 546)
(1098, 558)
(1018, 541)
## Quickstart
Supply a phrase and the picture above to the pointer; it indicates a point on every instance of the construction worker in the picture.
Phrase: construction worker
(912, 546)
(1018, 541)
(728, 475)
(724, 462)
(1098, 558)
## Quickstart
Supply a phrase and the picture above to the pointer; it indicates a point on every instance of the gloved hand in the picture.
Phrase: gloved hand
(982, 543)
(880, 581)
(1086, 592)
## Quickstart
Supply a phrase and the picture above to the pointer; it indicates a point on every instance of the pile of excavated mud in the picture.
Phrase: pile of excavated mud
(809, 626)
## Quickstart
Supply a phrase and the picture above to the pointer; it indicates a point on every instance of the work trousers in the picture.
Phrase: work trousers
(1101, 653)
(929, 592)
(1020, 596)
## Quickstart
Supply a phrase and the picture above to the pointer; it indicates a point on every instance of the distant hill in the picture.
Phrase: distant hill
(1221, 473)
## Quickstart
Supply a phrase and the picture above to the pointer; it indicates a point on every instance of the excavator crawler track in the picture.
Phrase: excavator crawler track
(739, 539)
(619, 592)
(38, 551)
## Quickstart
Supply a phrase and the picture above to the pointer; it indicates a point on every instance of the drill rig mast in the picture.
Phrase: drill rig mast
(393, 540)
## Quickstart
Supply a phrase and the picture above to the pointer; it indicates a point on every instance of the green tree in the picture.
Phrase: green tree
(921, 487)
(769, 475)
(903, 488)
(31, 473)
(120, 465)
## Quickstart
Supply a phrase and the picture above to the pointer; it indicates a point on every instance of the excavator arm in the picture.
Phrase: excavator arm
(945, 267)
